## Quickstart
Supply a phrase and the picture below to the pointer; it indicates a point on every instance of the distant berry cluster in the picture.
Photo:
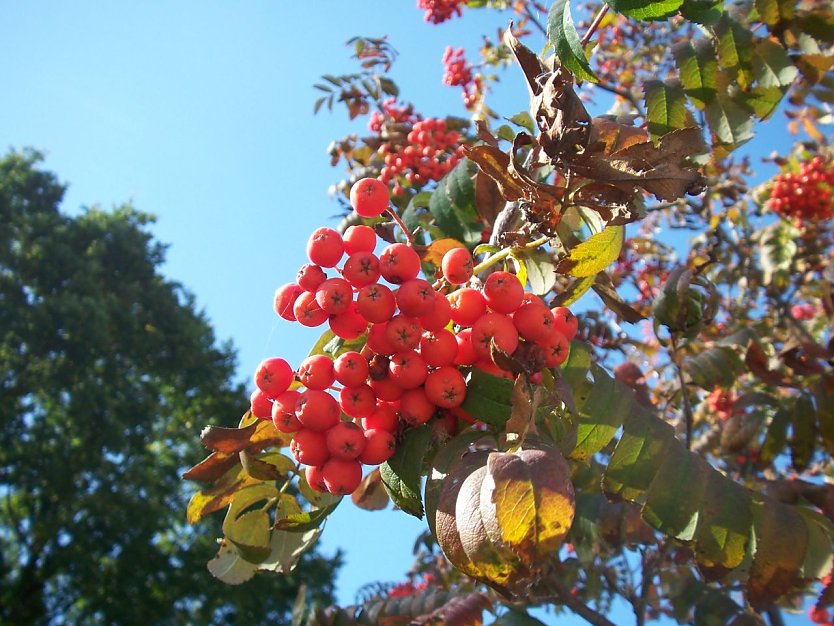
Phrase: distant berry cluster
(458, 73)
(805, 194)
(438, 11)
(416, 343)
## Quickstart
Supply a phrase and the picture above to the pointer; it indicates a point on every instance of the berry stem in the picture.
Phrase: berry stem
(502, 254)
(402, 226)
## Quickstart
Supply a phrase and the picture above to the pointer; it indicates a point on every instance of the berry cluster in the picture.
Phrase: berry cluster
(458, 73)
(431, 151)
(803, 312)
(418, 338)
(438, 11)
(721, 403)
(392, 113)
(805, 194)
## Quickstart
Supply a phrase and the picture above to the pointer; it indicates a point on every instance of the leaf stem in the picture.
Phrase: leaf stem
(402, 226)
(687, 407)
(503, 254)
(594, 25)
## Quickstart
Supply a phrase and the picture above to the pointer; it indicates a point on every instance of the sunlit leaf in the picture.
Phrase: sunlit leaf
(594, 254)
(402, 472)
(665, 107)
(562, 34)
(228, 566)
(646, 10)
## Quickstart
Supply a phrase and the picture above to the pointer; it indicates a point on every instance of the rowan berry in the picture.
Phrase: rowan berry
(407, 369)
(260, 405)
(438, 348)
(310, 277)
(378, 340)
(565, 322)
(380, 446)
(556, 349)
(415, 297)
(384, 418)
(314, 478)
(309, 447)
(342, 477)
(283, 412)
(533, 321)
(317, 410)
(440, 314)
(334, 295)
(351, 369)
(325, 247)
(307, 311)
(399, 263)
(284, 300)
(457, 266)
(345, 441)
(273, 376)
(503, 292)
(494, 327)
(359, 238)
(466, 354)
(415, 407)
(403, 332)
(467, 306)
(361, 268)
(369, 197)
(348, 325)
(376, 303)
(359, 401)
(446, 387)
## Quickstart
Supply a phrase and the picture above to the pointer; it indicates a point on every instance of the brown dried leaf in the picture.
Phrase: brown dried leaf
(370, 494)
(605, 290)
(495, 164)
(564, 122)
(528, 60)
(488, 199)
(211, 468)
(228, 440)
(459, 611)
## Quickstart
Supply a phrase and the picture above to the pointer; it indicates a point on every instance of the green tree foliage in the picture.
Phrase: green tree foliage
(104, 364)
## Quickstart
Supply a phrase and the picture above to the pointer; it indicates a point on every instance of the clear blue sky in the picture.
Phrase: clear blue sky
(201, 113)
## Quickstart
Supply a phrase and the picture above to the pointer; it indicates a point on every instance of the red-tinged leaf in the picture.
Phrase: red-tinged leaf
(459, 611)
(211, 468)
(228, 440)
(218, 495)
(494, 162)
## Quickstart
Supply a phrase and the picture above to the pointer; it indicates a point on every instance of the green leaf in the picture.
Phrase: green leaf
(286, 549)
(777, 248)
(772, 66)
(524, 120)
(453, 204)
(562, 34)
(488, 398)
(228, 566)
(735, 50)
(309, 520)
(768, 11)
(698, 70)
(541, 272)
(665, 509)
(250, 535)
(730, 123)
(517, 617)
(764, 101)
(401, 473)
(705, 12)
(575, 291)
(803, 434)
(602, 410)
(594, 254)
(776, 437)
(717, 366)
(646, 10)
(665, 107)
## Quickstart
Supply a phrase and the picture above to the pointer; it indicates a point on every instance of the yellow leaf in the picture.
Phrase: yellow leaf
(594, 254)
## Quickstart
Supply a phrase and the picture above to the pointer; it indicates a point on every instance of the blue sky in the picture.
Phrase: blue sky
(201, 113)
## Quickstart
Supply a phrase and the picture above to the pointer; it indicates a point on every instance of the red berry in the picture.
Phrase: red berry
(314, 478)
(503, 292)
(342, 477)
(350, 324)
(260, 405)
(351, 369)
(317, 410)
(565, 322)
(466, 354)
(359, 238)
(283, 412)
(403, 332)
(361, 268)
(357, 401)
(457, 266)
(345, 441)
(415, 407)
(407, 369)
(310, 276)
(334, 295)
(556, 349)
(383, 418)
(273, 376)
(497, 327)
(446, 387)
(309, 447)
(386, 389)
(440, 314)
(399, 263)
(316, 372)
(378, 340)
(438, 348)
(415, 298)
(533, 321)
(380, 446)
(467, 306)
(307, 311)
(376, 303)
(285, 297)
(369, 197)
(325, 247)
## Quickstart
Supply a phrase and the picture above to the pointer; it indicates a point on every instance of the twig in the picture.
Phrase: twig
(594, 25)
(502, 254)
(402, 226)
(534, 20)
(687, 407)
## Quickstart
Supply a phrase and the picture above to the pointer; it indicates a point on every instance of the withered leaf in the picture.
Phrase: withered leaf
(527, 60)
(605, 290)
(564, 122)
(211, 468)
(228, 440)
(371, 494)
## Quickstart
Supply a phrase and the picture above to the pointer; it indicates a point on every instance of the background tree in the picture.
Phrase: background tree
(104, 365)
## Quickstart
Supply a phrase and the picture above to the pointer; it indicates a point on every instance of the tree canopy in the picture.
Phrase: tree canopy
(104, 364)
